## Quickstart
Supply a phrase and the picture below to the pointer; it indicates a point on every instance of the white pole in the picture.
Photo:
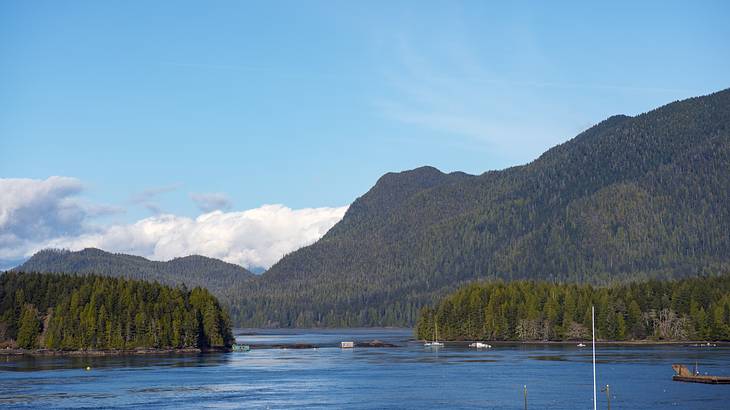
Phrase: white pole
(593, 328)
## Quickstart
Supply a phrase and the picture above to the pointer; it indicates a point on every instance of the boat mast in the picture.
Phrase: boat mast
(593, 328)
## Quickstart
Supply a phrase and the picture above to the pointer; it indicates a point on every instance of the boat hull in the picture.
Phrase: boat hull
(702, 379)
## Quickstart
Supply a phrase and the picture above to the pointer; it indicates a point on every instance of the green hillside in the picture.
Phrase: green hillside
(631, 198)
(194, 270)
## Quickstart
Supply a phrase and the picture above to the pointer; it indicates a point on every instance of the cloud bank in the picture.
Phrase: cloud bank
(33, 211)
(37, 214)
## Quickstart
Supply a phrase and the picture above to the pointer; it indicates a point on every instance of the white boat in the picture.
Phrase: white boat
(581, 345)
(708, 344)
(435, 342)
(481, 345)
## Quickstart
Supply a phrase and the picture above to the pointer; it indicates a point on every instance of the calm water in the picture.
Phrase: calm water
(410, 376)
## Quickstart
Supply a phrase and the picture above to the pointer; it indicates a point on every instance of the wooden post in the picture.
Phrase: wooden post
(607, 389)
(593, 332)
(525, 392)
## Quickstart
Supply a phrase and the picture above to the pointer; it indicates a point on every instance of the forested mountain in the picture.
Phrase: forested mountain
(194, 270)
(72, 312)
(631, 198)
(694, 308)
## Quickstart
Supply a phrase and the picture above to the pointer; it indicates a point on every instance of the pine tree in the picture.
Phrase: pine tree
(30, 327)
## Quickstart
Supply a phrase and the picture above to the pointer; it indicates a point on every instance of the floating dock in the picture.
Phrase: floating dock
(684, 375)
(241, 348)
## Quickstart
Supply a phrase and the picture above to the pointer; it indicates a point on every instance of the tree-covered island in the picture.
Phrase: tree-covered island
(90, 312)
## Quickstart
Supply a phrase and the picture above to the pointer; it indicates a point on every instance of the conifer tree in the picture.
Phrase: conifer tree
(30, 327)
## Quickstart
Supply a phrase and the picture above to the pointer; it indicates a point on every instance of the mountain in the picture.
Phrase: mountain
(194, 270)
(630, 198)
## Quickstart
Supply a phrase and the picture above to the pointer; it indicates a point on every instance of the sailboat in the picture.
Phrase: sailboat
(435, 342)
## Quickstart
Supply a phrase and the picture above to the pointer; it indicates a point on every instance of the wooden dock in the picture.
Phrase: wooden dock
(684, 375)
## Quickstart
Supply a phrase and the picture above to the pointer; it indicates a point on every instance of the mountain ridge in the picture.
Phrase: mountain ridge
(192, 270)
(628, 198)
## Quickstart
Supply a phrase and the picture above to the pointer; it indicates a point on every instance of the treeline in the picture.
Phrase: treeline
(688, 309)
(71, 312)
(327, 308)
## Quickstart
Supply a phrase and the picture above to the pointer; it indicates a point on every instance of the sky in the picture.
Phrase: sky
(243, 130)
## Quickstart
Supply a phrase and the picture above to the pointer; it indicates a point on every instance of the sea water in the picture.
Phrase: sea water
(407, 376)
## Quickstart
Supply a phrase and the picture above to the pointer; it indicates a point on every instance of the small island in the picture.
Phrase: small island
(61, 314)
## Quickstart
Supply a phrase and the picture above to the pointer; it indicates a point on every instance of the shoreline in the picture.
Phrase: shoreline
(373, 344)
(691, 343)
(111, 352)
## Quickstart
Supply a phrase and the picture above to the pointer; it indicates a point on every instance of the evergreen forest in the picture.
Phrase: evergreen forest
(688, 309)
(73, 312)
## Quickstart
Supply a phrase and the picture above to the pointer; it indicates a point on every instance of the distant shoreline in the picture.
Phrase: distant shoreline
(195, 351)
(601, 342)
(103, 353)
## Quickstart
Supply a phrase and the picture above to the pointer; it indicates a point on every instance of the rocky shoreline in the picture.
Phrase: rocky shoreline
(371, 343)
(361, 344)
(111, 352)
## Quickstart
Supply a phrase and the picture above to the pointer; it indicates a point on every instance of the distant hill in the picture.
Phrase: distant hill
(630, 198)
(194, 270)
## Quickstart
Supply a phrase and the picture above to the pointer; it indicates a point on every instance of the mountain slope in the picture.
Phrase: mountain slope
(194, 270)
(630, 198)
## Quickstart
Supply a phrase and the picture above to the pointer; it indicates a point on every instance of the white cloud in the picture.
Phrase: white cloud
(33, 210)
(212, 201)
(37, 214)
(252, 238)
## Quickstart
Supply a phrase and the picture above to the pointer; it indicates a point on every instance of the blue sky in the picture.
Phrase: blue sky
(306, 104)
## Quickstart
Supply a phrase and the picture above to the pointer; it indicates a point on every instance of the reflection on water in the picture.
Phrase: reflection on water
(549, 358)
(409, 376)
(24, 364)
